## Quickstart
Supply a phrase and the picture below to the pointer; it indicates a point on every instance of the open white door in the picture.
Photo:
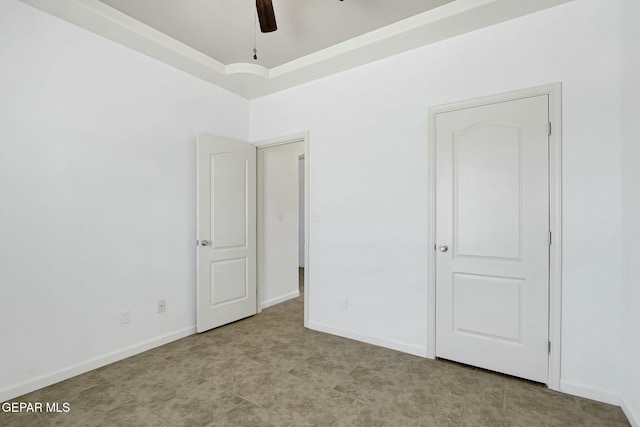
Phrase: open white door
(226, 230)
(492, 232)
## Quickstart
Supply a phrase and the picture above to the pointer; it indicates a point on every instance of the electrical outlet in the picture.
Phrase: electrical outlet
(162, 306)
(125, 316)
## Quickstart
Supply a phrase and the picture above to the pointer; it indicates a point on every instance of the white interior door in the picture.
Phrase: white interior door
(226, 230)
(492, 233)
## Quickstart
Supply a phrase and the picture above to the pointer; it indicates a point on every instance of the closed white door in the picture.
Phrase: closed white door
(226, 230)
(492, 234)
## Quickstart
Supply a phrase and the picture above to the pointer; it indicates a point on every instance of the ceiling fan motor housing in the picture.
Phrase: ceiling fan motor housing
(266, 16)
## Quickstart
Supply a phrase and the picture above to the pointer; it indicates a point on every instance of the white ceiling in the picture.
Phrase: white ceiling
(224, 29)
(213, 39)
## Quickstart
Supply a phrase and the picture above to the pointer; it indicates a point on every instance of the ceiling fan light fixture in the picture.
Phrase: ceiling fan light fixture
(266, 16)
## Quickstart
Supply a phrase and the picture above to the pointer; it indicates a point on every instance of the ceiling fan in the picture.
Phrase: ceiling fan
(266, 16)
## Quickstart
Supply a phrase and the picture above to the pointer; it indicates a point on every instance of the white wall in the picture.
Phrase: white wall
(631, 201)
(369, 253)
(278, 226)
(97, 196)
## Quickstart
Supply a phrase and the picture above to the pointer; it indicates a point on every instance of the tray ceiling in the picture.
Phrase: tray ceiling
(213, 39)
(224, 29)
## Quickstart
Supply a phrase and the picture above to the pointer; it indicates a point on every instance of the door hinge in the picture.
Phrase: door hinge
(549, 347)
(549, 128)
(549, 237)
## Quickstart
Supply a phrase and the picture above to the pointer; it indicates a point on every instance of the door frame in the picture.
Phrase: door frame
(272, 142)
(554, 91)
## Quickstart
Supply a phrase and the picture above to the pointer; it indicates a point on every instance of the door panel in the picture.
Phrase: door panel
(492, 212)
(228, 188)
(486, 161)
(228, 281)
(226, 191)
(497, 317)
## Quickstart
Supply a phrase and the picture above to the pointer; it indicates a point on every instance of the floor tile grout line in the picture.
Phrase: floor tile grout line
(504, 396)
(134, 398)
(319, 385)
(242, 400)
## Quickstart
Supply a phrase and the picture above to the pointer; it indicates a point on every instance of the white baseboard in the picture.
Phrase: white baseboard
(45, 380)
(381, 342)
(281, 298)
(632, 416)
(590, 393)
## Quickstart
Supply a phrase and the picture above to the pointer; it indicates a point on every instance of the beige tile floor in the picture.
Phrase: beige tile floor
(268, 370)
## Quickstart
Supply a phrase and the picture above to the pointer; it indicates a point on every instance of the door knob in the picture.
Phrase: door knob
(204, 242)
(443, 248)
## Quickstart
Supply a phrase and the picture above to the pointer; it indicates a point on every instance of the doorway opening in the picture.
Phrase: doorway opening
(301, 223)
(282, 226)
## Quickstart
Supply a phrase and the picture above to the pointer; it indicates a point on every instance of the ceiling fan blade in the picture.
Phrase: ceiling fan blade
(266, 16)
